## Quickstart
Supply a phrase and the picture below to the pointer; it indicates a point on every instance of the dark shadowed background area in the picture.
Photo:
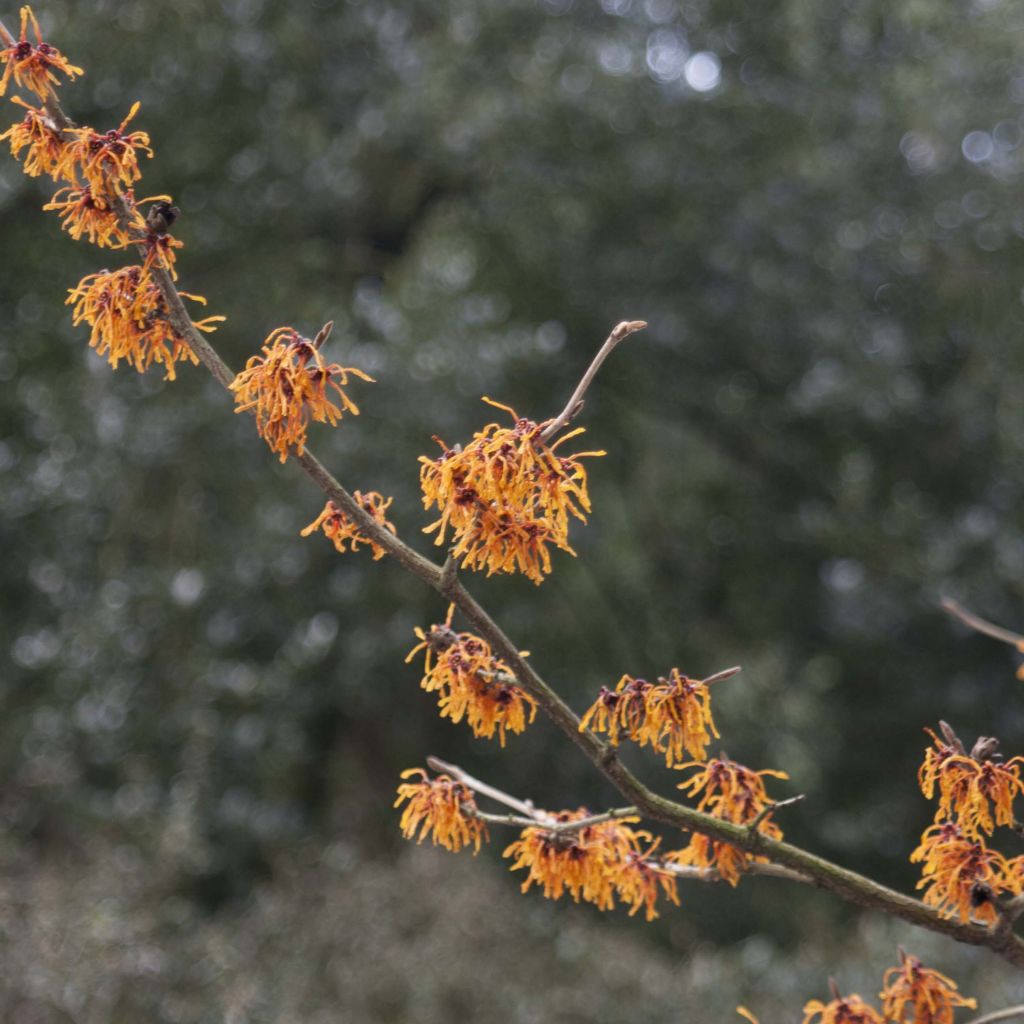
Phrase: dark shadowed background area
(816, 206)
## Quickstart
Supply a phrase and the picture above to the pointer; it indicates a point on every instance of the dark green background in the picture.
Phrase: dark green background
(820, 434)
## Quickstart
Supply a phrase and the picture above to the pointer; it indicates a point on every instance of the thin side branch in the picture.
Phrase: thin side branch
(1006, 1014)
(619, 334)
(976, 622)
(771, 808)
(523, 807)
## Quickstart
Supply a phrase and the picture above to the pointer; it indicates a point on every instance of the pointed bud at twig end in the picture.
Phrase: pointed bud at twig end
(628, 327)
(950, 736)
(323, 334)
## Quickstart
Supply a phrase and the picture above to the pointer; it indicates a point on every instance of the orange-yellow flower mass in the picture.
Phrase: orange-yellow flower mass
(849, 1009)
(673, 716)
(108, 159)
(438, 808)
(288, 385)
(32, 65)
(343, 531)
(915, 994)
(471, 682)
(596, 863)
(46, 152)
(977, 793)
(129, 319)
(506, 497)
(733, 793)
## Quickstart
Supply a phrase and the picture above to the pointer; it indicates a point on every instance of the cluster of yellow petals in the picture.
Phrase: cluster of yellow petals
(471, 682)
(911, 994)
(673, 716)
(343, 531)
(846, 1010)
(129, 319)
(733, 793)
(108, 158)
(83, 212)
(288, 386)
(961, 876)
(597, 863)
(46, 151)
(33, 65)
(441, 808)
(506, 497)
(915, 994)
(128, 314)
(970, 788)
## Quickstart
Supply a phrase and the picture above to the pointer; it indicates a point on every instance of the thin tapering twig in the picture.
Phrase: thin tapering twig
(771, 808)
(726, 673)
(976, 622)
(1006, 1014)
(619, 334)
(523, 807)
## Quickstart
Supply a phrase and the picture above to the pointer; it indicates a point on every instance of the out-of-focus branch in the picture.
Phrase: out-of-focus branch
(1006, 1014)
(976, 622)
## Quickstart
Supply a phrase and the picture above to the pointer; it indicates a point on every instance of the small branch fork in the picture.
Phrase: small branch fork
(848, 885)
(536, 818)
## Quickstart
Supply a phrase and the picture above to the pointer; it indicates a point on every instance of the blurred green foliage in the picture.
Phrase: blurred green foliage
(816, 206)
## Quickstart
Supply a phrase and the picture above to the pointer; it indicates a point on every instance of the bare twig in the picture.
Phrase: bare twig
(981, 625)
(523, 807)
(1006, 1014)
(752, 827)
(619, 333)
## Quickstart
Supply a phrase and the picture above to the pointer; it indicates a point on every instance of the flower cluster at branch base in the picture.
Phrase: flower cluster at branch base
(507, 496)
(471, 682)
(342, 531)
(441, 808)
(128, 310)
(961, 875)
(911, 994)
(673, 716)
(33, 65)
(735, 794)
(130, 320)
(291, 384)
(596, 863)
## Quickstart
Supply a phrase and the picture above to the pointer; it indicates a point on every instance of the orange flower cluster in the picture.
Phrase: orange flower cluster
(341, 530)
(129, 319)
(733, 793)
(36, 133)
(288, 386)
(914, 994)
(107, 159)
(471, 682)
(596, 863)
(126, 310)
(960, 874)
(506, 496)
(968, 785)
(33, 65)
(441, 808)
(673, 715)
(911, 994)
(846, 1010)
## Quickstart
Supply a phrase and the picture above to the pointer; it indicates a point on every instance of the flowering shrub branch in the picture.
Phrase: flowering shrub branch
(507, 496)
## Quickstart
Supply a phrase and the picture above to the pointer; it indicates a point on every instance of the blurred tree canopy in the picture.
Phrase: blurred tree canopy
(816, 206)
